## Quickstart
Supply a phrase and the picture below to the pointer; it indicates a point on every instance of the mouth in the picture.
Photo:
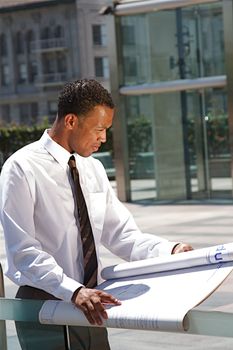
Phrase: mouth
(96, 147)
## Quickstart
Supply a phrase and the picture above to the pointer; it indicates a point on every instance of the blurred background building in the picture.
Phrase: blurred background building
(43, 44)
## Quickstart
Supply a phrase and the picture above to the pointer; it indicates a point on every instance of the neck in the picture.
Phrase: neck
(57, 134)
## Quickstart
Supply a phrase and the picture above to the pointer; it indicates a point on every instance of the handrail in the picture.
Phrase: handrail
(3, 336)
(26, 310)
(200, 322)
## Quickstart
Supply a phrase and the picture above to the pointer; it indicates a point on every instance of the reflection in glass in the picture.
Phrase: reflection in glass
(158, 139)
(140, 145)
(208, 143)
(159, 46)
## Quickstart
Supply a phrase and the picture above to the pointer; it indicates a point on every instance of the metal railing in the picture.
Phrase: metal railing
(208, 323)
(201, 322)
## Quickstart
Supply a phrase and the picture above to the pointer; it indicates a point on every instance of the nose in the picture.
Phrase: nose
(103, 136)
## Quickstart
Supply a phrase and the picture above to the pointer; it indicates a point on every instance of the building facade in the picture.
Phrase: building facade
(174, 88)
(44, 44)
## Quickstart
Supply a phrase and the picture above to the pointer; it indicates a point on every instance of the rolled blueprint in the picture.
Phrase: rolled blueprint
(199, 257)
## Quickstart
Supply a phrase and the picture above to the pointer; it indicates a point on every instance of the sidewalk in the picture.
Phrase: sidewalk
(201, 224)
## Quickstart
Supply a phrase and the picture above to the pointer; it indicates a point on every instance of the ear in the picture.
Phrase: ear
(70, 121)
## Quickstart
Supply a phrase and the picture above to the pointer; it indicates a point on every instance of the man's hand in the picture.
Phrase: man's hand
(91, 302)
(181, 247)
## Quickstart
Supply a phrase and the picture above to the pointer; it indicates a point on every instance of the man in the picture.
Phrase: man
(43, 225)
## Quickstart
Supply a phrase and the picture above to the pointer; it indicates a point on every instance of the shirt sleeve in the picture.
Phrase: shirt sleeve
(123, 238)
(27, 263)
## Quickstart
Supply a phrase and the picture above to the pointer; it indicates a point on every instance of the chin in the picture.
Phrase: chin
(85, 154)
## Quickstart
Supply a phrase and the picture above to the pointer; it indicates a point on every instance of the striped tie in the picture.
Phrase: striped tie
(89, 252)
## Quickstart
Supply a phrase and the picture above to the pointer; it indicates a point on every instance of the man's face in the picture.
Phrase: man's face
(89, 131)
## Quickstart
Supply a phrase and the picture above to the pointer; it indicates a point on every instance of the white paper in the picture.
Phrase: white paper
(199, 257)
(158, 300)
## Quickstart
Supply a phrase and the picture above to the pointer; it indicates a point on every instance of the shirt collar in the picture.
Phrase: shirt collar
(59, 153)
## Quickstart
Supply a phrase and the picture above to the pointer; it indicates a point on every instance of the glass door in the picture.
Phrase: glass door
(206, 140)
(208, 144)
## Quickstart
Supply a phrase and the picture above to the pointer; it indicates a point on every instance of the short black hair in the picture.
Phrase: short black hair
(81, 96)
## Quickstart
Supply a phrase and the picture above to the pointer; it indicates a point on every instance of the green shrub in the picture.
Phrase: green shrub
(14, 137)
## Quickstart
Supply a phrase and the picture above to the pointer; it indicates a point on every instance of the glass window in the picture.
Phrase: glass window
(19, 43)
(130, 67)
(58, 32)
(3, 45)
(34, 113)
(33, 71)
(5, 75)
(161, 132)
(45, 33)
(141, 146)
(30, 40)
(22, 73)
(155, 144)
(99, 34)
(28, 113)
(49, 64)
(191, 44)
(102, 67)
(24, 113)
(203, 40)
(149, 55)
(52, 109)
(61, 63)
(128, 34)
(5, 114)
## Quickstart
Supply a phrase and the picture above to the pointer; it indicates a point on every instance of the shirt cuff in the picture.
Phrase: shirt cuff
(67, 288)
(165, 248)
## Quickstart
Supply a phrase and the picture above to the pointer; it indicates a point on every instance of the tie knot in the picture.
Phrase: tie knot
(71, 162)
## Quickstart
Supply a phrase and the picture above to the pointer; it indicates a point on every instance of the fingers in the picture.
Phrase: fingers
(108, 298)
(182, 247)
(187, 248)
(92, 301)
(94, 312)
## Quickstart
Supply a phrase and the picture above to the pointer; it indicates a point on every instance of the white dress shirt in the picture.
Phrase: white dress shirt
(43, 244)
